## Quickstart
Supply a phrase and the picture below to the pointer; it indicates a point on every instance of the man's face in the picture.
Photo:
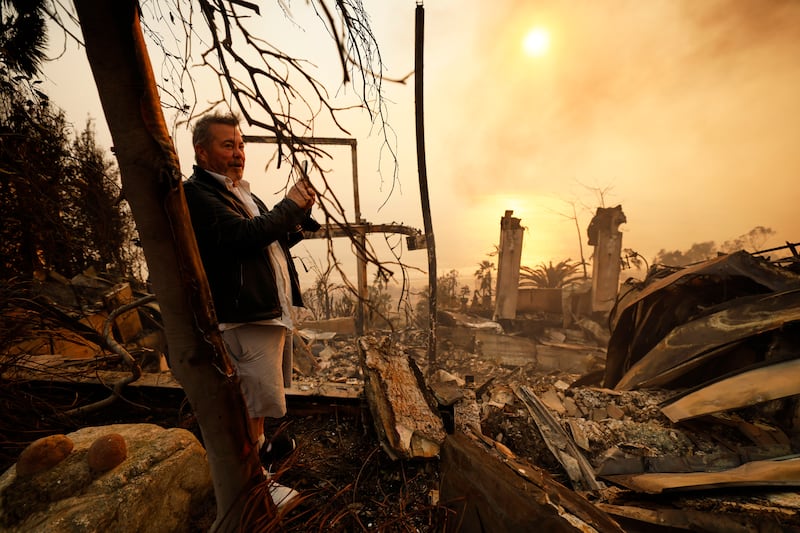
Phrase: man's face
(224, 152)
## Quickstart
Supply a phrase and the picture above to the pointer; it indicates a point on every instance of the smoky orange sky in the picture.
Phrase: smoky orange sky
(685, 112)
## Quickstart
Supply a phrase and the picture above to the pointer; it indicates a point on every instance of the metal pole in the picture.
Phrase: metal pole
(423, 180)
(361, 274)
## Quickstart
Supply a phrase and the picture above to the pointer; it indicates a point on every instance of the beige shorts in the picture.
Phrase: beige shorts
(262, 356)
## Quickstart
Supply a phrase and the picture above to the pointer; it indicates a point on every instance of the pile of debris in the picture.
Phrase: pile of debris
(692, 423)
(682, 413)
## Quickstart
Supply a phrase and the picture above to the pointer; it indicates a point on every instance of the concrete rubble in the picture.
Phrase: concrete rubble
(678, 408)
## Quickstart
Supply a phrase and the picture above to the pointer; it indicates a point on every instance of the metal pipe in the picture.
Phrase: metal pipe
(419, 33)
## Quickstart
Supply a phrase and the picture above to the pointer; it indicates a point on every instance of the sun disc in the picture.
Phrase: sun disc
(536, 42)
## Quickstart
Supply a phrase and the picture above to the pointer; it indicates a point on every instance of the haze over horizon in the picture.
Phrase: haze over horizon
(685, 113)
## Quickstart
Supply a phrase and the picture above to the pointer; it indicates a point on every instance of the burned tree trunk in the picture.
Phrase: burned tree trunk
(152, 184)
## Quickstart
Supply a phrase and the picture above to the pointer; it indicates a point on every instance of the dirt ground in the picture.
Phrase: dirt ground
(348, 483)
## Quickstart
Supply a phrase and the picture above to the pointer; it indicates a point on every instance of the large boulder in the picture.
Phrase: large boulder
(163, 475)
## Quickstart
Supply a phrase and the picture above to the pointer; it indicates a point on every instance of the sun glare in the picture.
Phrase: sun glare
(536, 42)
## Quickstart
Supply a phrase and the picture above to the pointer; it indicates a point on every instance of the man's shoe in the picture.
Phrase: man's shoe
(280, 447)
(281, 495)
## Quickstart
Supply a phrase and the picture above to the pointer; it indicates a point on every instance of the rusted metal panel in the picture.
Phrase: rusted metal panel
(560, 443)
(710, 335)
(646, 313)
(776, 380)
(776, 472)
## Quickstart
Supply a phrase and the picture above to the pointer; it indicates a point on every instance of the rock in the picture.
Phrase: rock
(555, 335)
(571, 407)
(43, 454)
(501, 396)
(164, 477)
(442, 376)
(107, 452)
(553, 402)
(599, 333)
(615, 412)
(561, 385)
(466, 412)
(446, 393)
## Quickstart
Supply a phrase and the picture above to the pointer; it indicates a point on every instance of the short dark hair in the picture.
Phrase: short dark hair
(201, 128)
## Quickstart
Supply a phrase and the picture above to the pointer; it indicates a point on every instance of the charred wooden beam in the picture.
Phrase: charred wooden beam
(407, 424)
(490, 493)
(686, 519)
(303, 361)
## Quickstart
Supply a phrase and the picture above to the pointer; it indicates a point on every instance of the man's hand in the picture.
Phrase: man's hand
(302, 194)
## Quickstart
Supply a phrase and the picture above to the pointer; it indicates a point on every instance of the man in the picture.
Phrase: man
(244, 247)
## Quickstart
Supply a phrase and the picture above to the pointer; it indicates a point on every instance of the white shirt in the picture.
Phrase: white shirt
(280, 266)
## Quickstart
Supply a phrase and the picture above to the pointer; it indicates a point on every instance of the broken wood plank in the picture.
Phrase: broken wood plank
(490, 442)
(689, 519)
(62, 341)
(774, 473)
(564, 449)
(447, 393)
(127, 324)
(777, 380)
(342, 325)
(490, 493)
(406, 424)
(303, 361)
(54, 369)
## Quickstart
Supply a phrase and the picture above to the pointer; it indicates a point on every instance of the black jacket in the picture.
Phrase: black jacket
(233, 248)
